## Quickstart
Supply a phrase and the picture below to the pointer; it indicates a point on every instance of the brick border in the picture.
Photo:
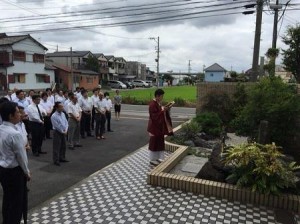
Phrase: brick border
(159, 176)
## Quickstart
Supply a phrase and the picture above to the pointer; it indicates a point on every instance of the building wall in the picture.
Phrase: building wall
(214, 76)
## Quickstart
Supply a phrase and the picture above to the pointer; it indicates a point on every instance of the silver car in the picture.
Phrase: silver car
(114, 84)
(140, 83)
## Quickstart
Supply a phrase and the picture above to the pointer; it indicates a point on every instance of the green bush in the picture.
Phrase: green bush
(260, 167)
(179, 101)
(190, 130)
(219, 103)
(210, 122)
(274, 101)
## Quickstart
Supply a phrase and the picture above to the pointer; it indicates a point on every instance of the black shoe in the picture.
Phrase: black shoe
(36, 154)
(77, 145)
(82, 136)
(56, 164)
(63, 161)
(42, 152)
(90, 135)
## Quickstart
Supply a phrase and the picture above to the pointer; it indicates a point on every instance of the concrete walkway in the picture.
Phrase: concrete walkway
(119, 194)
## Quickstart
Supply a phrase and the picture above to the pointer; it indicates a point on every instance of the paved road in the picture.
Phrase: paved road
(129, 134)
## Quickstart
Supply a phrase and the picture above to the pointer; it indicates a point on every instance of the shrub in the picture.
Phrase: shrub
(221, 104)
(260, 167)
(179, 101)
(190, 130)
(210, 122)
(273, 101)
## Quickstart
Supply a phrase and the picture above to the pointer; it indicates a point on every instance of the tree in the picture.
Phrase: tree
(272, 54)
(92, 63)
(291, 56)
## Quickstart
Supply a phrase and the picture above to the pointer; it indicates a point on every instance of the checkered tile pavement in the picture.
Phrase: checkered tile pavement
(119, 194)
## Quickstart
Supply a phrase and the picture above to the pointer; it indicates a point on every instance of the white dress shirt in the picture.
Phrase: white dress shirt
(47, 105)
(100, 106)
(94, 99)
(12, 152)
(59, 98)
(21, 128)
(74, 109)
(13, 97)
(66, 103)
(59, 122)
(108, 104)
(29, 99)
(23, 103)
(33, 113)
(85, 104)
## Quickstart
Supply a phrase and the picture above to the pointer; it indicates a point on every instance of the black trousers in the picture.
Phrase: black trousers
(108, 118)
(100, 124)
(59, 146)
(93, 118)
(85, 124)
(14, 203)
(47, 126)
(37, 133)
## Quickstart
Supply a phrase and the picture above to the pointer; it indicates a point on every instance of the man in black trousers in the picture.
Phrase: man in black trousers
(36, 115)
(14, 172)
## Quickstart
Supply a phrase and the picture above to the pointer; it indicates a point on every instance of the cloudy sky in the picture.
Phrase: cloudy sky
(200, 31)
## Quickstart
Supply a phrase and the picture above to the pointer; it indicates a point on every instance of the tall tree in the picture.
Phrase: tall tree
(271, 54)
(291, 56)
(92, 63)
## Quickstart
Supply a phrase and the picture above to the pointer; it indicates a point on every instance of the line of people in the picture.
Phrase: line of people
(68, 114)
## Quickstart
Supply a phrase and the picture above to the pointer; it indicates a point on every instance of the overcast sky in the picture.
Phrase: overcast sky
(226, 39)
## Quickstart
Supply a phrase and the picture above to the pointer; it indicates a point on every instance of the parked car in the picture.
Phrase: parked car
(150, 83)
(140, 83)
(116, 84)
(129, 85)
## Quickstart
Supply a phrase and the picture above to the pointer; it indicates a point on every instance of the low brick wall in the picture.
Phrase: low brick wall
(159, 176)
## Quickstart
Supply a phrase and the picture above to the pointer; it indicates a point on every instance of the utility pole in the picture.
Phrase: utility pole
(157, 59)
(72, 75)
(275, 25)
(189, 69)
(255, 68)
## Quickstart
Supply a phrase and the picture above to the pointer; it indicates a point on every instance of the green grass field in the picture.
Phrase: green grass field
(188, 93)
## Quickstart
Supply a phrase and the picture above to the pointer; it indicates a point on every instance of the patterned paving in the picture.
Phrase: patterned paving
(119, 194)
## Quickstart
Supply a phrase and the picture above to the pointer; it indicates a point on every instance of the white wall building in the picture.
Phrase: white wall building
(22, 63)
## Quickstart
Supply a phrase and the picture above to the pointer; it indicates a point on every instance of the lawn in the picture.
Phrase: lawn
(187, 93)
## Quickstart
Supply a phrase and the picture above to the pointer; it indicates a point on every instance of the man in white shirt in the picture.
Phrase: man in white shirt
(36, 115)
(48, 107)
(21, 128)
(108, 110)
(60, 97)
(94, 98)
(14, 171)
(29, 97)
(20, 99)
(50, 96)
(86, 105)
(74, 112)
(100, 108)
(8, 96)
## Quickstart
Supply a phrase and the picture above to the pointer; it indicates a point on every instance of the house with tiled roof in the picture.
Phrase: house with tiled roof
(103, 66)
(215, 73)
(22, 63)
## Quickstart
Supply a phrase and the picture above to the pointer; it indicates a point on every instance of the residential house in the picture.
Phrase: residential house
(103, 66)
(22, 63)
(286, 76)
(214, 73)
(150, 75)
(112, 67)
(136, 69)
(68, 78)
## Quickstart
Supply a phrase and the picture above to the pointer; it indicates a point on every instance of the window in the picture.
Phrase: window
(211, 74)
(19, 77)
(19, 56)
(42, 78)
(89, 79)
(40, 58)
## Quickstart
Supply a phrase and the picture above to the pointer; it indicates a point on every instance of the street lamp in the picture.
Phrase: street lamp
(157, 59)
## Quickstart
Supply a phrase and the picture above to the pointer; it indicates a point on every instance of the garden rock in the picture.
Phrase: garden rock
(208, 172)
(189, 143)
(202, 143)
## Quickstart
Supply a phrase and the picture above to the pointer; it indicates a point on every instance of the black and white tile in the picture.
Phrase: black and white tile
(120, 194)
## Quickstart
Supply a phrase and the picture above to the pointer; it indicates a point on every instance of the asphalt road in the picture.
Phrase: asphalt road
(129, 135)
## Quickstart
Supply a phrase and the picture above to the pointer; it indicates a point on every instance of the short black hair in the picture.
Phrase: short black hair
(6, 109)
(19, 91)
(3, 99)
(21, 108)
(44, 94)
(70, 94)
(83, 91)
(159, 92)
(106, 94)
(34, 97)
(56, 104)
(48, 89)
